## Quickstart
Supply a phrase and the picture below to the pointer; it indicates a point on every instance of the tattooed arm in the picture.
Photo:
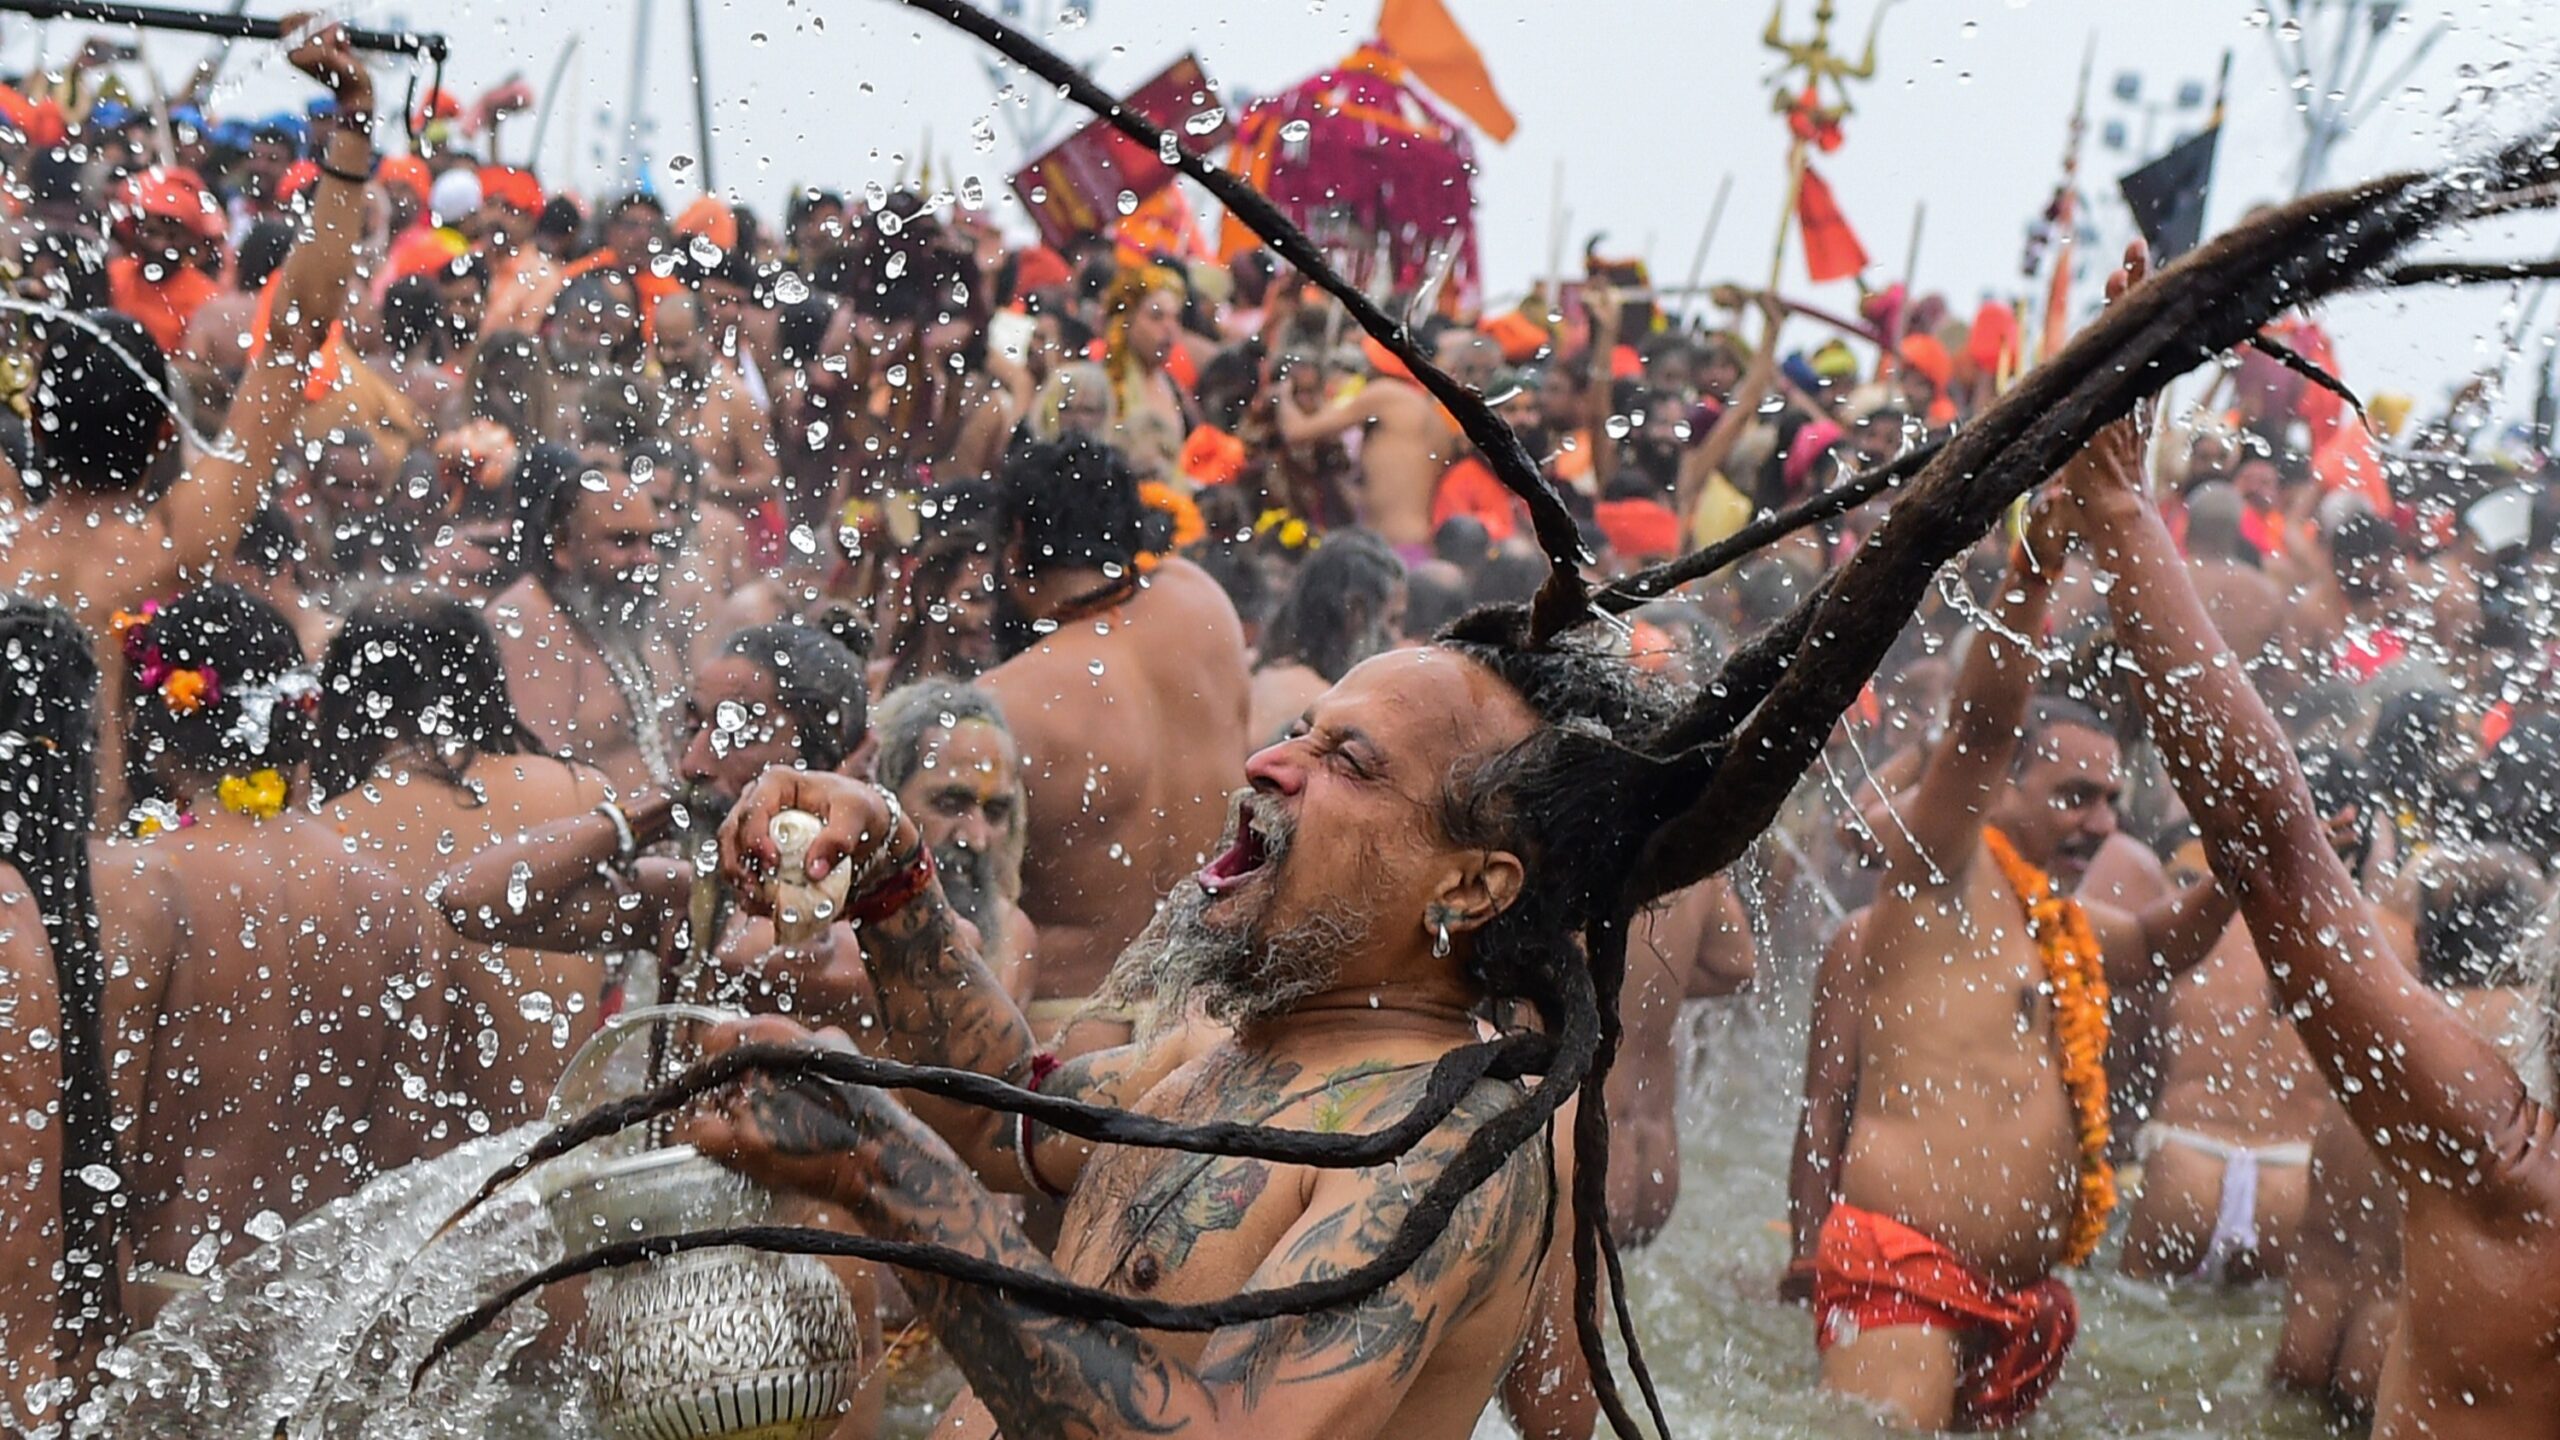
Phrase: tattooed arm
(1338, 1373)
(936, 1001)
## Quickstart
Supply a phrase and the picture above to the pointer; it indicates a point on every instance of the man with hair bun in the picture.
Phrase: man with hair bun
(1125, 682)
(252, 956)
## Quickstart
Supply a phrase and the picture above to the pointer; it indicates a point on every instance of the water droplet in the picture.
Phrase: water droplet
(1296, 132)
(1127, 204)
(202, 1254)
(1203, 122)
(790, 289)
(266, 1226)
(982, 135)
(536, 1006)
(1094, 666)
(704, 250)
(890, 222)
(679, 162)
(101, 1178)
(896, 266)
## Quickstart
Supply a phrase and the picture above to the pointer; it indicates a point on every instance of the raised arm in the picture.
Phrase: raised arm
(936, 1000)
(1933, 840)
(1830, 1099)
(1707, 458)
(2170, 936)
(1305, 427)
(2403, 1062)
(213, 502)
(1333, 1375)
(556, 888)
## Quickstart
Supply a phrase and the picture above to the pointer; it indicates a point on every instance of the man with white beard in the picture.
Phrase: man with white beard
(1444, 875)
(947, 754)
(591, 669)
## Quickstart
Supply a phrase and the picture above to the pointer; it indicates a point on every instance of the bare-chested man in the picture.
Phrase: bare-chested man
(1378, 870)
(2226, 1153)
(254, 963)
(101, 418)
(422, 761)
(1409, 442)
(1129, 704)
(713, 413)
(1963, 1180)
(2476, 913)
(593, 672)
(781, 694)
(2477, 1351)
(2246, 606)
(55, 1300)
(945, 751)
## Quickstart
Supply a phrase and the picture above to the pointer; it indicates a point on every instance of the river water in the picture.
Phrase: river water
(1733, 1363)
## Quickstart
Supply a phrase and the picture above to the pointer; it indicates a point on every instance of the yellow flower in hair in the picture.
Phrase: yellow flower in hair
(260, 795)
(1294, 534)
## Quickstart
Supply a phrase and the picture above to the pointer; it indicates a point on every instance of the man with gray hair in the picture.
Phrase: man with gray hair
(946, 752)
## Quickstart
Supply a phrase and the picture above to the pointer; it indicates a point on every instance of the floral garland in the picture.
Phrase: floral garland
(2075, 971)
(1188, 528)
(1292, 532)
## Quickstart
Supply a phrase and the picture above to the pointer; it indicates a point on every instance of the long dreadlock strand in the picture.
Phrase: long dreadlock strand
(1450, 1079)
(48, 769)
(1646, 586)
(1492, 1145)
(1595, 1252)
(1564, 601)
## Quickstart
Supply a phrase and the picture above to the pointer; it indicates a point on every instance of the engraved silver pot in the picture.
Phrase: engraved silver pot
(711, 1343)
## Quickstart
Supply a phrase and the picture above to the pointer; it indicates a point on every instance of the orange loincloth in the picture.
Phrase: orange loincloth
(1872, 1272)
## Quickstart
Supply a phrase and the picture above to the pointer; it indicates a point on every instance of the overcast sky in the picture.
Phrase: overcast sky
(1646, 105)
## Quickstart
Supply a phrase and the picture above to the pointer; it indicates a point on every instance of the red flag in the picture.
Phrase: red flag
(1425, 36)
(1831, 248)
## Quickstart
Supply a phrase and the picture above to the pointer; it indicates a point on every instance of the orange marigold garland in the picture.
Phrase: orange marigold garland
(2075, 970)
(1188, 526)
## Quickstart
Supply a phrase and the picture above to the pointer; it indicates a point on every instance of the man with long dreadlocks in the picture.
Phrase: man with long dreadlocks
(1399, 873)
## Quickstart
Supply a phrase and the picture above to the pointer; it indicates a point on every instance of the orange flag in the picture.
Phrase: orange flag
(1831, 248)
(1425, 36)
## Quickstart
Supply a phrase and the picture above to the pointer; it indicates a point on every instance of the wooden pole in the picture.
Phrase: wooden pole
(1796, 161)
(1707, 238)
(701, 100)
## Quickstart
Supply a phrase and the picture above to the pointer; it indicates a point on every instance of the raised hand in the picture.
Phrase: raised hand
(324, 54)
(854, 820)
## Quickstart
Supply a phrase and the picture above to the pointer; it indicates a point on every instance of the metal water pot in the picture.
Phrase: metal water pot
(711, 1343)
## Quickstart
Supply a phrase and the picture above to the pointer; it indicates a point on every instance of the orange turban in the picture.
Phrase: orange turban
(1924, 354)
(1520, 337)
(408, 171)
(1211, 456)
(711, 220)
(516, 189)
(1994, 337)
(1638, 528)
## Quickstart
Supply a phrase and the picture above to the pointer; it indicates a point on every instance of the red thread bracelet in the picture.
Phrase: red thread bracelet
(895, 893)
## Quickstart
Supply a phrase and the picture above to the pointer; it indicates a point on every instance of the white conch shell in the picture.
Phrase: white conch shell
(802, 910)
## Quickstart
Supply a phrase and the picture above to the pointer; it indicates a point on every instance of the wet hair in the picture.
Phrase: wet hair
(2405, 759)
(939, 559)
(2476, 911)
(1072, 503)
(910, 713)
(2519, 801)
(48, 749)
(1433, 599)
(262, 252)
(99, 406)
(1509, 578)
(245, 647)
(2361, 540)
(413, 318)
(413, 666)
(1331, 612)
(2046, 714)
(1462, 540)
(821, 684)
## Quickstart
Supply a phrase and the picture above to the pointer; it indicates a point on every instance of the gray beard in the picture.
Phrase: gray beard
(969, 882)
(1238, 977)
